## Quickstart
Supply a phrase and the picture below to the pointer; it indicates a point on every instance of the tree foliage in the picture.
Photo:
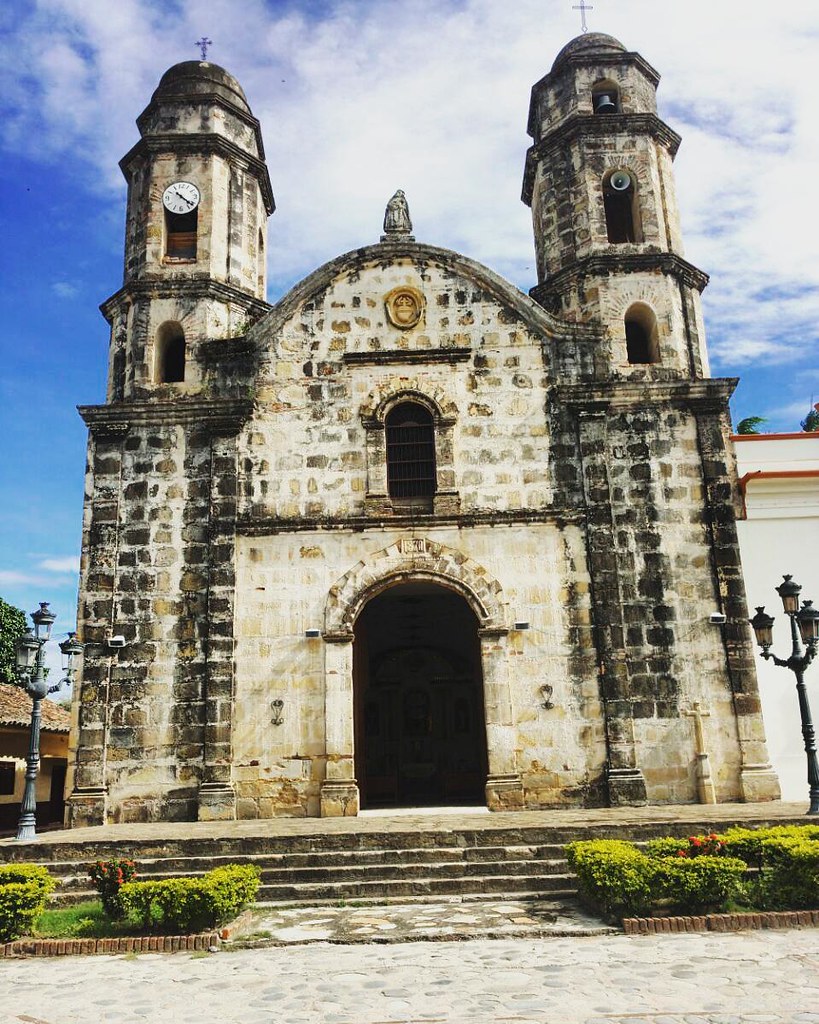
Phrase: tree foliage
(12, 624)
(810, 424)
(750, 425)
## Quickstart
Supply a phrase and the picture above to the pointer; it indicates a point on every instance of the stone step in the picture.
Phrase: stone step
(512, 886)
(352, 872)
(332, 859)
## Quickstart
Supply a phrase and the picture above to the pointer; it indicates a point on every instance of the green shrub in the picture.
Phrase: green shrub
(790, 877)
(108, 877)
(753, 844)
(613, 875)
(665, 846)
(191, 904)
(24, 892)
(701, 884)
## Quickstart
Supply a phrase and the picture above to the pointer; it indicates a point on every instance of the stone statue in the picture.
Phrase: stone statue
(396, 217)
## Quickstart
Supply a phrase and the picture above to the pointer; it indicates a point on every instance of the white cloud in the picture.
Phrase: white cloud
(65, 290)
(71, 564)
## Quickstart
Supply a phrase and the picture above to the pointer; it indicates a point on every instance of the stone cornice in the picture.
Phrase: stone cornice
(194, 144)
(262, 526)
(595, 126)
(218, 415)
(708, 394)
(403, 355)
(616, 261)
(195, 287)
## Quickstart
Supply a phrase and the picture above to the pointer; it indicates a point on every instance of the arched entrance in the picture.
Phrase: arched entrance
(420, 732)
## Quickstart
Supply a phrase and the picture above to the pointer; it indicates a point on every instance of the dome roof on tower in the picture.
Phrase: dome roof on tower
(590, 44)
(200, 77)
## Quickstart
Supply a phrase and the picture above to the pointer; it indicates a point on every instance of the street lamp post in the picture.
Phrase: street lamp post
(31, 675)
(804, 629)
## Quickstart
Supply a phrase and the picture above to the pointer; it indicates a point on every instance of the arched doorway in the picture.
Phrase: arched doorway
(420, 733)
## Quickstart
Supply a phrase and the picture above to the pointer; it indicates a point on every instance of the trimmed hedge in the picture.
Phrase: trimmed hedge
(24, 892)
(622, 881)
(191, 904)
(765, 869)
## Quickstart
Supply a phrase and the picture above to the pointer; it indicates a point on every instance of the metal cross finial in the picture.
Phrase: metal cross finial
(203, 45)
(583, 7)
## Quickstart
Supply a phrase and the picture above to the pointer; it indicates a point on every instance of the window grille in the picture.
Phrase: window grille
(410, 452)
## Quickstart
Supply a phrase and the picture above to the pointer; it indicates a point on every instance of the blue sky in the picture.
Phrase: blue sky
(357, 99)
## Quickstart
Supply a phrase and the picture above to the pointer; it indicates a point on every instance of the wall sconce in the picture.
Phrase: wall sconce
(521, 625)
(278, 711)
(312, 634)
(546, 692)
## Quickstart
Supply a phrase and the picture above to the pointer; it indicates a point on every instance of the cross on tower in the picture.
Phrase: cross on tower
(204, 43)
(583, 7)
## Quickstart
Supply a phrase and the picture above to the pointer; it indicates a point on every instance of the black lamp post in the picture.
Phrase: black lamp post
(32, 677)
(804, 629)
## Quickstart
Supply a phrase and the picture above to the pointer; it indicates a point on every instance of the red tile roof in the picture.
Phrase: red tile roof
(15, 709)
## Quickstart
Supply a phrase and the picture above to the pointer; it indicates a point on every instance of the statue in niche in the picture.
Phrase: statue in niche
(397, 217)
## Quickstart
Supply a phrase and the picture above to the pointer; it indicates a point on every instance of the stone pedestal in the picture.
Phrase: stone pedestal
(86, 807)
(758, 783)
(627, 787)
(217, 802)
(504, 792)
(705, 783)
(339, 798)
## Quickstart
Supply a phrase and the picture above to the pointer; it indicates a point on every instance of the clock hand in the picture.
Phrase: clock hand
(183, 198)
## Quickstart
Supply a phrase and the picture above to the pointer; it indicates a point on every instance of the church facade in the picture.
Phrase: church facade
(410, 537)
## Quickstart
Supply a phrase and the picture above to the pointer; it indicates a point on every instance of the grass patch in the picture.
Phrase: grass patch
(82, 921)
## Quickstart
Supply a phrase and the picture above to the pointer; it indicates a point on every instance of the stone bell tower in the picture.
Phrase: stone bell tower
(600, 184)
(199, 197)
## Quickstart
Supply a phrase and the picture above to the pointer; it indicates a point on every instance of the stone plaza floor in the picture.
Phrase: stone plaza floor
(751, 977)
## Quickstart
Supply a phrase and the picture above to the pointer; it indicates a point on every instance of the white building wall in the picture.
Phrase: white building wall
(780, 476)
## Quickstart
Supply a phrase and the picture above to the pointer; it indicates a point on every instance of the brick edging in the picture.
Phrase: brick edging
(122, 944)
(720, 922)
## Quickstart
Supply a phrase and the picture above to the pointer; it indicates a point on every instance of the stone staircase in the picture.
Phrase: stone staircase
(379, 861)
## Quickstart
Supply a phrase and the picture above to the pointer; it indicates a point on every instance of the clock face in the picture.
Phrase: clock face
(181, 197)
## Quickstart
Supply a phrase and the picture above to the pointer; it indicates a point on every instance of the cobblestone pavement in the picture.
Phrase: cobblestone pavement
(753, 978)
(404, 922)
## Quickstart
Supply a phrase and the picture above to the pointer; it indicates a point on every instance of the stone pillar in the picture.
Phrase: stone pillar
(504, 788)
(758, 780)
(339, 791)
(626, 784)
(217, 797)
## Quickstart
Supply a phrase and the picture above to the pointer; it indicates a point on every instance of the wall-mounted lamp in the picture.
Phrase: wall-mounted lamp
(278, 711)
(521, 625)
(312, 634)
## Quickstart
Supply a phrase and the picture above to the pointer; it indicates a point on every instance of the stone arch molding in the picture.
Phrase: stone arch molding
(378, 402)
(412, 559)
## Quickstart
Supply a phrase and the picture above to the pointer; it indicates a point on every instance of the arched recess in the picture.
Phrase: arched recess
(642, 339)
(169, 360)
(606, 97)
(375, 412)
(621, 205)
(417, 560)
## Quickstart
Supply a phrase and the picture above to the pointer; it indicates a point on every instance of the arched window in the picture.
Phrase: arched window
(622, 211)
(605, 98)
(642, 343)
(180, 235)
(410, 454)
(170, 354)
